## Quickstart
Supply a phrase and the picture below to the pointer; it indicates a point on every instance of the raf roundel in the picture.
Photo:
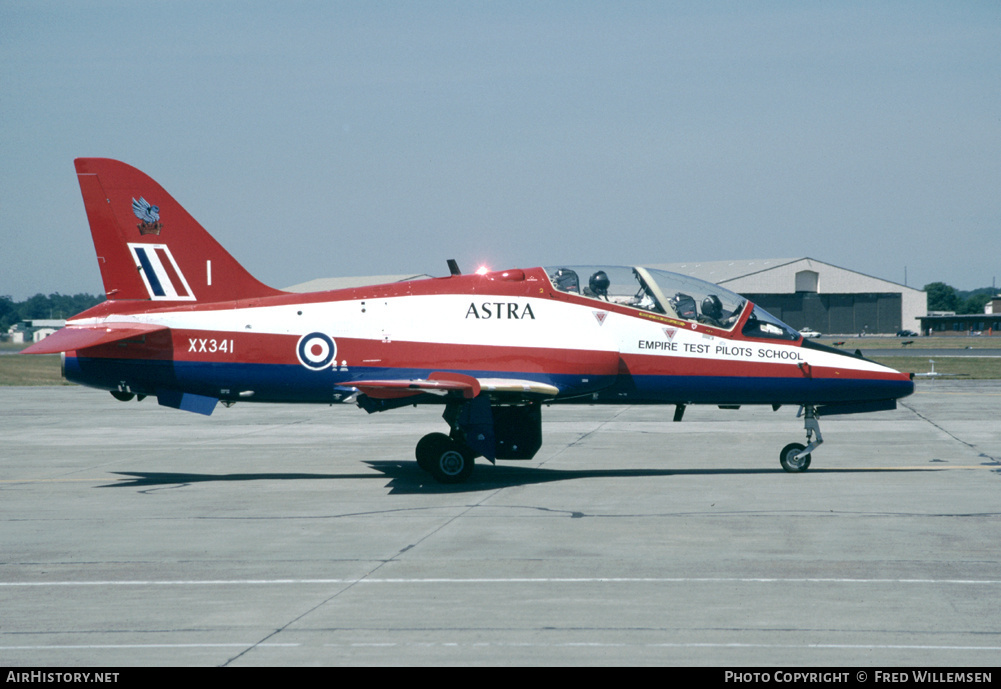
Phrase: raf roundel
(316, 351)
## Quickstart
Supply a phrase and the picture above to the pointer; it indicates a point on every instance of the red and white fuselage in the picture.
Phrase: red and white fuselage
(186, 323)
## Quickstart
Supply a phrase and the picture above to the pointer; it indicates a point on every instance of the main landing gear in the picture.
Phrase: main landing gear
(796, 457)
(446, 459)
(480, 429)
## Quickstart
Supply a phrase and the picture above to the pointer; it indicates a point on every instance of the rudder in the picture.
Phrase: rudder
(148, 247)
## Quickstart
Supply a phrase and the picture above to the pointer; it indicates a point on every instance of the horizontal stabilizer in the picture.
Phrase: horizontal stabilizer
(74, 337)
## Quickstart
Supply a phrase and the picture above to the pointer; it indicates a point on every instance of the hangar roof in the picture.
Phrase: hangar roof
(773, 274)
(721, 271)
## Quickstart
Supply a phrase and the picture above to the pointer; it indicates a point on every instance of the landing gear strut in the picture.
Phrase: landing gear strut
(795, 457)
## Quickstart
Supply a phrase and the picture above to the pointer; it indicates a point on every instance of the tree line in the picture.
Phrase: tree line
(42, 306)
(943, 297)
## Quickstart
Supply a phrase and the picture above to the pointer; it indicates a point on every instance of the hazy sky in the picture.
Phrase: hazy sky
(317, 139)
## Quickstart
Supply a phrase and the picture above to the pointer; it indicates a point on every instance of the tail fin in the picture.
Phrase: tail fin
(149, 247)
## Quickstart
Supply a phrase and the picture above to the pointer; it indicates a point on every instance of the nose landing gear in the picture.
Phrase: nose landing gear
(795, 457)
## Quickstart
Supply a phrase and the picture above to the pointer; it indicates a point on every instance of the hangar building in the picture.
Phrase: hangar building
(807, 293)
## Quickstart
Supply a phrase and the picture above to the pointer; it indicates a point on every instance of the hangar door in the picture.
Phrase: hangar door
(836, 314)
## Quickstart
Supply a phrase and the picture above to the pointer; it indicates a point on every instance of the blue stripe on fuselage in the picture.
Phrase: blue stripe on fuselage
(273, 382)
(295, 383)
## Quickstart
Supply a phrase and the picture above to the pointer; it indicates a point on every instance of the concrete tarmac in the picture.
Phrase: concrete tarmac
(135, 535)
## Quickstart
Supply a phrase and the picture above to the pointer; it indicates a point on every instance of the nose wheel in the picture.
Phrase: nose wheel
(795, 457)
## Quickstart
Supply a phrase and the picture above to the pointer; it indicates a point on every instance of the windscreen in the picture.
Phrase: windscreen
(763, 324)
(658, 291)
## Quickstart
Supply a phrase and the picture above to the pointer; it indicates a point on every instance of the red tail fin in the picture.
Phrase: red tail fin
(149, 247)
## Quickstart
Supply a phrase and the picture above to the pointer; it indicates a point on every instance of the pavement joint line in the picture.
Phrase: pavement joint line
(507, 580)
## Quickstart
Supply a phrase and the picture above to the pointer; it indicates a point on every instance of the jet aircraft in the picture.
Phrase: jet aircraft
(186, 323)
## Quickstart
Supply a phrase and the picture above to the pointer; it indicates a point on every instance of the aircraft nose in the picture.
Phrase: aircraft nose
(898, 384)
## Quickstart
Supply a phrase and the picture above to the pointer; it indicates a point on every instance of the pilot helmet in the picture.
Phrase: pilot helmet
(599, 283)
(712, 307)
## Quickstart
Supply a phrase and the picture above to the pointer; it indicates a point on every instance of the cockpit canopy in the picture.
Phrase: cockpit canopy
(671, 294)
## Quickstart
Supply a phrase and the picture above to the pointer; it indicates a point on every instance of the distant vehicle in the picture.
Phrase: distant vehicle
(809, 332)
(907, 333)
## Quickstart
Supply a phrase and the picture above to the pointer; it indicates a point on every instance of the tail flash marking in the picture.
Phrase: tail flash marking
(160, 273)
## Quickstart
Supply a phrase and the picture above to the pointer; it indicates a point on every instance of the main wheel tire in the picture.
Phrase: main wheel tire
(788, 461)
(427, 447)
(454, 466)
(447, 460)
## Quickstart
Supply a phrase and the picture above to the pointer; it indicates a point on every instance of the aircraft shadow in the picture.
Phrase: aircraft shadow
(407, 477)
(143, 479)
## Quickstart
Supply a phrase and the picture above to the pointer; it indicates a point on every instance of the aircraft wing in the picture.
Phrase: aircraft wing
(441, 382)
(74, 337)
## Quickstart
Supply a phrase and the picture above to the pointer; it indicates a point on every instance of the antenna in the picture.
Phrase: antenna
(453, 267)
